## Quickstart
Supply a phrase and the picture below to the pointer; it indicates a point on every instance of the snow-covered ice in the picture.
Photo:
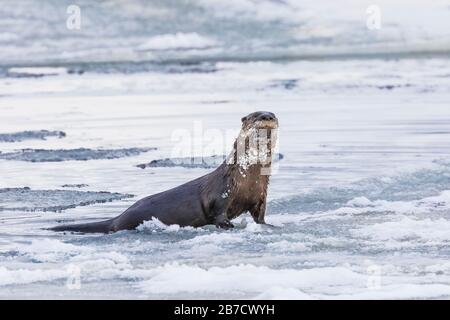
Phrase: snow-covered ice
(360, 202)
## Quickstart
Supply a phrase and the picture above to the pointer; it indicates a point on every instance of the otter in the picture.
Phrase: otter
(238, 185)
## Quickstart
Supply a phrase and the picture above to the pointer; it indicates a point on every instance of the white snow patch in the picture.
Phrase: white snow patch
(244, 278)
(254, 227)
(37, 71)
(214, 238)
(398, 291)
(47, 250)
(285, 245)
(179, 41)
(407, 229)
(279, 293)
(155, 225)
(24, 276)
(359, 202)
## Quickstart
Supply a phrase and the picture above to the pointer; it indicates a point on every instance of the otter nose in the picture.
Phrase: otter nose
(266, 116)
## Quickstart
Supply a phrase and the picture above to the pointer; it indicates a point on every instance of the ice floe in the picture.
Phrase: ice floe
(30, 135)
(80, 154)
(26, 199)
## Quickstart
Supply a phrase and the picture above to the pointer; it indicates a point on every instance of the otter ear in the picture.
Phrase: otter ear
(244, 118)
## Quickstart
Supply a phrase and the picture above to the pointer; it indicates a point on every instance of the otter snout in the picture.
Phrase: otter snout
(266, 116)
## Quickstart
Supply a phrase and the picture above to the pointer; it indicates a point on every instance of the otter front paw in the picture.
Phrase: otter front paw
(224, 224)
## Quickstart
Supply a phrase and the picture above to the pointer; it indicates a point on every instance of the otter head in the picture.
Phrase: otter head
(256, 141)
(260, 120)
(261, 124)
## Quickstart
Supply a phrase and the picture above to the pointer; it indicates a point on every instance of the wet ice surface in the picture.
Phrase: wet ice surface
(360, 203)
